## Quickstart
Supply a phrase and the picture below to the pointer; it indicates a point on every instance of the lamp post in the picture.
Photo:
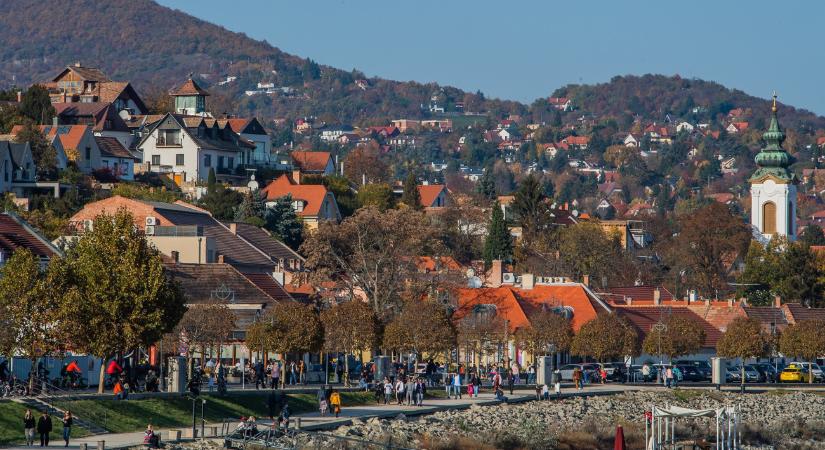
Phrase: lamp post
(660, 328)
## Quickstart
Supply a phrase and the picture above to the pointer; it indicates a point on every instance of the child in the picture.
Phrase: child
(335, 401)
(323, 407)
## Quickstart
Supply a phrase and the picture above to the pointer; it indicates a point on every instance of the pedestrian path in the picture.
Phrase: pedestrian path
(313, 421)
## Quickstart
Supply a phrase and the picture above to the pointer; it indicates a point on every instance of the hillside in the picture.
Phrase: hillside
(653, 97)
(155, 47)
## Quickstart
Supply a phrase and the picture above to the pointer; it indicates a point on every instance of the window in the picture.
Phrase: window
(207, 160)
(179, 159)
(155, 160)
(769, 218)
(231, 162)
(220, 162)
(169, 138)
(88, 153)
(298, 205)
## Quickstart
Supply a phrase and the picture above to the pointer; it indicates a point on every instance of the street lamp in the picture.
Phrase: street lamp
(660, 328)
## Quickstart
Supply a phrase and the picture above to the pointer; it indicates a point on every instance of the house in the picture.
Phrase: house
(289, 266)
(684, 126)
(433, 195)
(182, 232)
(22, 161)
(313, 203)
(78, 84)
(728, 166)
(303, 126)
(383, 132)
(632, 140)
(6, 166)
(403, 141)
(190, 99)
(820, 141)
(16, 234)
(579, 142)
(313, 163)
(736, 127)
(101, 117)
(116, 158)
(507, 134)
(561, 103)
(442, 125)
(77, 144)
(187, 148)
(406, 124)
(332, 133)
(252, 130)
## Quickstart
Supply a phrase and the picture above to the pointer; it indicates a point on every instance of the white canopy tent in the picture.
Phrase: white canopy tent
(660, 430)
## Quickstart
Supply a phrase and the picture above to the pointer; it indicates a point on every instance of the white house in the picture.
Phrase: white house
(252, 130)
(684, 126)
(115, 157)
(187, 148)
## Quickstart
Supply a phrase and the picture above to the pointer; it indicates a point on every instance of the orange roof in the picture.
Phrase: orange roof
(516, 304)
(311, 161)
(428, 193)
(741, 125)
(429, 264)
(577, 140)
(312, 194)
(237, 125)
(722, 197)
(189, 87)
(69, 135)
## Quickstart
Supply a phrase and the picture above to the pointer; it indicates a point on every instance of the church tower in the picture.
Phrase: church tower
(773, 187)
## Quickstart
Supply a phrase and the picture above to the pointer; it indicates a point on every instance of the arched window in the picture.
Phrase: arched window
(769, 218)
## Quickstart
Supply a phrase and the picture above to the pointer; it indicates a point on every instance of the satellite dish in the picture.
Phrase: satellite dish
(253, 185)
(471, 272)
(474, 282)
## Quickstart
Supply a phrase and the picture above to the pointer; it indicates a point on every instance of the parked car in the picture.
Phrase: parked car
(702, 366)
(566, 371)
(767, 372)
(794, 374)
(735, 374)
(689, 373)
(817, 371)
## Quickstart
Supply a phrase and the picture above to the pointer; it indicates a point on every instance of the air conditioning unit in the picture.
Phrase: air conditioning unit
(88, 225)
(151, 220)
(150, 230)
(508, 278)
(558, 280)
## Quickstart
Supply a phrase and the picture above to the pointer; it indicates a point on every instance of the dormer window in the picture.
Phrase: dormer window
(169, 138)
(298, 205)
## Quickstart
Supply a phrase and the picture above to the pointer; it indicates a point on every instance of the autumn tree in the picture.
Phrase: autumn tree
(605, 337)
(377, 195)
(744, 338)
(349, 327)
(365, 165)
(481, 331)
(708, 240)
(677, 337)
(806, 340)
(421, 327)
(586, 249)
(203, 325)
(529, 205)
(28, 307)
(371, 252)
(116, 296)
(787, 269)
(43, 153)
(499, 243)
(547, 331)
(290, 327)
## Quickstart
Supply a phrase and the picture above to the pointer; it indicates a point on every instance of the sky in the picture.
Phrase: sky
(524, 49)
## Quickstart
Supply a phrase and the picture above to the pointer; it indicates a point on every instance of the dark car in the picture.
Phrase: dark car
(690, 373)
(702, 366)
(767, 372)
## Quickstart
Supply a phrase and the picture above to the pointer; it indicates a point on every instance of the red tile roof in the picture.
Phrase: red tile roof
(429, 193)
(237, 125)
(797, 312)
(644, 317)
(638, 294)
(312, 194)
(311, 161)
(69, 135)
(429, 264)
(15, 234)
(189, 87)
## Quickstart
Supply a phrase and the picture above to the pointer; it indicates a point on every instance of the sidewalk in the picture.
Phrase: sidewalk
(314, 422)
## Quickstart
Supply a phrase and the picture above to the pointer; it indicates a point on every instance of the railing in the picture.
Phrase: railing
(52, 396)
(179, 230)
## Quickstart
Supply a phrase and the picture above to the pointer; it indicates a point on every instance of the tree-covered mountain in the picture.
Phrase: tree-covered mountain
(156, 48)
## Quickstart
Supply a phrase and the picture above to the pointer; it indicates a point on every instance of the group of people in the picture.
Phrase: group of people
(402, 390)
(276, 372)
(329, 400)
(43, 427)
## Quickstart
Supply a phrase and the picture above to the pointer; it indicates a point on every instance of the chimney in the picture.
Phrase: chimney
(657, 296)
(586, 280)
(220, 258)
(176, 256)
(296, 176)
(19, 96)
(496, 271)
(629, 301)
(54, 121)
(777, 302)
(730, 302)
(528, 281)
(233, 227)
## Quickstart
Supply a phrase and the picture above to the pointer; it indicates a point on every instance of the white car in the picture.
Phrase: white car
(817, 371)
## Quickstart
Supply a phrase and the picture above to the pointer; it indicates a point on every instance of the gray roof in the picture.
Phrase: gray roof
(265, 242)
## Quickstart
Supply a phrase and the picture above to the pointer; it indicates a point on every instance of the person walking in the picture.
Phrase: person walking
(420, 390)
(399, 391)
(44, 427)
(409, 388)
(339, 370)
(302, 379)
(510, 377)
(646, 372)
(602, 374)
(457, 385)
(577, 378)
(335, 402)
(669, 377)
(67, 426)
(531, 374)
(293, 373)
(275, 374)
(260, 381)
(29, 425)
(388, 390)
(476, 384)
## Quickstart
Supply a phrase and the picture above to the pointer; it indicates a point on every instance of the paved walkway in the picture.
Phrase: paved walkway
(315, 422)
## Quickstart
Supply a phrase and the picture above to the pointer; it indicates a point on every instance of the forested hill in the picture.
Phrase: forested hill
(155, 48)
(654, 97)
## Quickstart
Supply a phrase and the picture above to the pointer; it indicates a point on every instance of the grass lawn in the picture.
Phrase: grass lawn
(11, 424)
(170, 412)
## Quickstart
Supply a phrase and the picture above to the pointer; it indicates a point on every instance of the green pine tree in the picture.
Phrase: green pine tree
(499, 244)
(251, 210)
(211, 181)
(281, 220)
(487, 185)
(411, 197)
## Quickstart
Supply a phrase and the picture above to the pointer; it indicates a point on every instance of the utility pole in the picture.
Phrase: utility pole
(506, 344)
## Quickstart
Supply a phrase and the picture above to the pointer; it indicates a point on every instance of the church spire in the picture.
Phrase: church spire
(773, 160)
